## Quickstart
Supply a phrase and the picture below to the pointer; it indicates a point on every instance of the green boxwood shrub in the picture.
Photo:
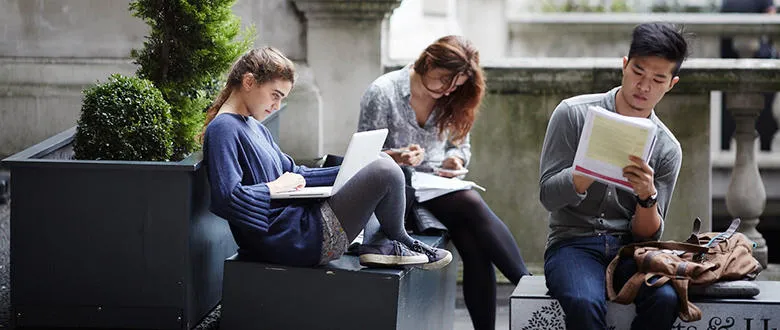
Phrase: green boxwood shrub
(125, 118)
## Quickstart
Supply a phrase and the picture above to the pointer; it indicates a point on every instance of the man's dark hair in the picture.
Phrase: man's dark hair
(659, 39)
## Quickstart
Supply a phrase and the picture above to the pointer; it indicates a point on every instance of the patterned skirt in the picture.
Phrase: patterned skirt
(334, 239)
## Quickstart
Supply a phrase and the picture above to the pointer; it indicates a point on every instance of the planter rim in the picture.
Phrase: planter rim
(29, 157)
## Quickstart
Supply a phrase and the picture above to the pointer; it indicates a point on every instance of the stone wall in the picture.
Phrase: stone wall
(49, 52)
(52, 49)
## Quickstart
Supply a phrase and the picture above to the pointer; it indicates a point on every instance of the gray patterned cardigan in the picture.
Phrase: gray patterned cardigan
(386, 105)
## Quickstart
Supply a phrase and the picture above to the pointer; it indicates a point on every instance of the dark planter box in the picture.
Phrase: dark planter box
(113, 243)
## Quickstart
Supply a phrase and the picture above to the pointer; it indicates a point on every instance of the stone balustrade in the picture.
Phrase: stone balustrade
(609, 35)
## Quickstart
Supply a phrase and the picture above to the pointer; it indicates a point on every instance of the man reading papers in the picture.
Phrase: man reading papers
(591, 220)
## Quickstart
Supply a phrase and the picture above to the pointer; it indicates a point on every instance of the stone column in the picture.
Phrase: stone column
(281, 25)
(344, 52)
(746, 196)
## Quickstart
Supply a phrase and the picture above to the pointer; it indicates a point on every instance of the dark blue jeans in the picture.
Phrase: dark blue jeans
(575, 273)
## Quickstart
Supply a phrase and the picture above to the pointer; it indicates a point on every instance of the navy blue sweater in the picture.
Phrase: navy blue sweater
(241, 157)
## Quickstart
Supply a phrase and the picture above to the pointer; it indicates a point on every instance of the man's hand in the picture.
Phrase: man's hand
(640, 175)
(287, 182)
(451, 163)
(646, 221)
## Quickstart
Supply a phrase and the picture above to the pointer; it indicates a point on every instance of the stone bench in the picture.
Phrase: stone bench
(532, 309)
(341, 295)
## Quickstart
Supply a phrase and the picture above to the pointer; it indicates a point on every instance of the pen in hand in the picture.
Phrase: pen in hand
(478, 187)
(399, 150)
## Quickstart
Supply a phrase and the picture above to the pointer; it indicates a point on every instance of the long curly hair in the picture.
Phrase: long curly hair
(457, 111)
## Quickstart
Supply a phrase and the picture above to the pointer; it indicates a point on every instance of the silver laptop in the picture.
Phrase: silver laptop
(364, 148)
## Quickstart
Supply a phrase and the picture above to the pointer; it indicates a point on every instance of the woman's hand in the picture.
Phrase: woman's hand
(287, 182)
(412, 155)
(451, 163)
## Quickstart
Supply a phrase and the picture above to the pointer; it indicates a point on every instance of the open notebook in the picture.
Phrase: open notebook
(364, 147)
(429, 186)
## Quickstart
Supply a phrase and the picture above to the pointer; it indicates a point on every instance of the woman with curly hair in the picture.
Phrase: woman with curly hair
(429, 108)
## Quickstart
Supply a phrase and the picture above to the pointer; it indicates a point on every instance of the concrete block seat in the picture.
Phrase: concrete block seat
(341, 295)
(532, 309)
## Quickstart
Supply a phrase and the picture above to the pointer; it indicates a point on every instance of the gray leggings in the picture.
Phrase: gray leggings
(378, 188)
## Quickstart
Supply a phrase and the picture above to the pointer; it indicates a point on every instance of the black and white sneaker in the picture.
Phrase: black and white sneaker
(437, 258)
(389, 254)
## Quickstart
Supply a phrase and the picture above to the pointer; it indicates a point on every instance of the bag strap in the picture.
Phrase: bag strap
(694, 238)
(724, 235)
(656, 280)
(629, 290)
(688, 311)
(648, 258)
(669, 245)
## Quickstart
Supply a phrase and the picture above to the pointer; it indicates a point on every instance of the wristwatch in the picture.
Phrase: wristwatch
(647, 203)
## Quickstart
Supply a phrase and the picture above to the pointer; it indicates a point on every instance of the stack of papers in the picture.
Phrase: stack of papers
(606, 142)
(429, 186)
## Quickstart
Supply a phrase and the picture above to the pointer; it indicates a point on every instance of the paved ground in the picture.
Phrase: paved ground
(462, 320)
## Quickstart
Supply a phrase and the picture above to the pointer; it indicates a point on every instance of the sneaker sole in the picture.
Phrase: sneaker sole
(441, 263)
(386, 260)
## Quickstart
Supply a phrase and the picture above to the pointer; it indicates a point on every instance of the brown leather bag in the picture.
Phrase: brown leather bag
(702, 260)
